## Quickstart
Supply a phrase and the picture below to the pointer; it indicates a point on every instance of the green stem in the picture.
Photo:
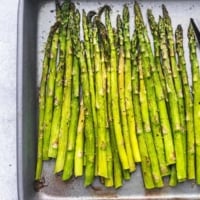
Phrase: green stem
(66, 111)
(188, 104)
(196, 97)
(148, 73)
(48, 115)
(115, 95)
(69, 160)
(145, 159)
(42, 101)
(100, 108)
(121, 88)
(53, 144)
(148, 132)
(128, 87)
(160, 87)
(177, 80)
(173, 105)
(78, 157)
(89, 125)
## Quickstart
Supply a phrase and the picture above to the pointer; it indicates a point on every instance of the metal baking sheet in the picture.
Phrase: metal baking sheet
(34, 20)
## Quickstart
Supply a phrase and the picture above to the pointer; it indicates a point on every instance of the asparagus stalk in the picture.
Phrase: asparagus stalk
(155, 33)
(173, 176)
(88, 46)
(196, 97)
(145, 160)
(128, 86)
(42, 101)
(160, 86)
(109, 182)
(102, 33)
(78, 157)
(121, 88)
(148, 72)
(115, 96)
(69, 160)
(176, 78)
(89, 124)
(173, 105)
(100, 108)
(117, 170)
(50, 94)
(148, 132)
(188, 104)
(62, 17)
(66, 111)
(53, 144)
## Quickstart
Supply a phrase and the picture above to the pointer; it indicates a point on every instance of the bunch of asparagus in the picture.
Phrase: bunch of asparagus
(111, 100)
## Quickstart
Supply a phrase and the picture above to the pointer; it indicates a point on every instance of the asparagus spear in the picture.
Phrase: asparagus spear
(115, 96)
(66, 111)
(108, 181)
(78, 157)
(87, 30)
(69, 160)
(62, 17)
(53, 144)
(176, 78)
(50, 94)
(188, 104)
(148, 132)
(145, 160)
(100, 107)
(102, 34)
(128, 86)
(42, 100)
(89, 125)
(117, 170)
(121, 88)
(155, 33)
(148, 72)
(160, 86)
(173, 105)
(196, 97)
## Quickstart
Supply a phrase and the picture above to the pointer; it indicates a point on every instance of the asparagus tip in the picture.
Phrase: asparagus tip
(165, 11)
(90, 15)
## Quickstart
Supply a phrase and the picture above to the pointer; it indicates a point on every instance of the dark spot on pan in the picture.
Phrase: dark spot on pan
(39, 184)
